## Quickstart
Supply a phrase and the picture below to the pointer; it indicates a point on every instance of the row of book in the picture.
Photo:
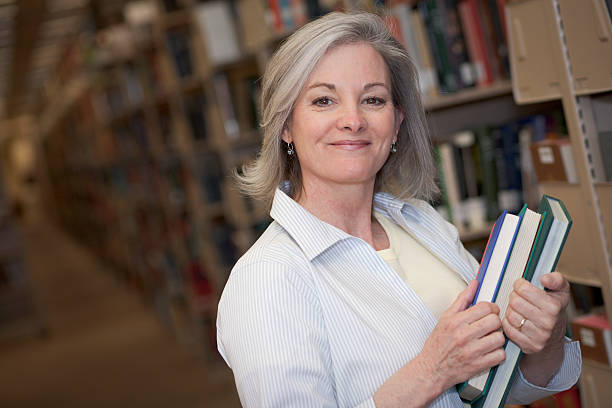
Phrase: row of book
(454, 43)
(527, 245)
(237, 99)
(490, 168)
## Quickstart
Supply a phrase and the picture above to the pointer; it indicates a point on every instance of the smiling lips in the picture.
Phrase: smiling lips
(351, 144)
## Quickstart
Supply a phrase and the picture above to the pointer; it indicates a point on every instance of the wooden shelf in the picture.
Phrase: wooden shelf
(475, 234)
(469, 95)
(598, 365)
(581, 280)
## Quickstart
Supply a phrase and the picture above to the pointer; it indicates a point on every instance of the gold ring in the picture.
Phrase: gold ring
(520, 326)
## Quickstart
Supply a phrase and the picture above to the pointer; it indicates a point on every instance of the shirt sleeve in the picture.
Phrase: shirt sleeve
(271, 333)
(523, 392)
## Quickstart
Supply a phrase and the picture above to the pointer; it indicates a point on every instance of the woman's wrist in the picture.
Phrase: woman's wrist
(540, 368)
(416, 384)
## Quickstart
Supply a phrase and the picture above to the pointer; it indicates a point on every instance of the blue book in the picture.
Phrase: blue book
(496, 256)
(490, 276)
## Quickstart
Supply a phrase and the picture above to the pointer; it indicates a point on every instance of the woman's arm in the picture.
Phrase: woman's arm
(270, 333)
(464, 343)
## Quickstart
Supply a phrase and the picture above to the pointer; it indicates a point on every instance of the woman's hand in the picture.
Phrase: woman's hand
(541, 334)
(463, 344)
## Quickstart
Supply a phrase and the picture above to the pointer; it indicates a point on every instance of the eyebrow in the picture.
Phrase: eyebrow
(374, 84)
(332, 87)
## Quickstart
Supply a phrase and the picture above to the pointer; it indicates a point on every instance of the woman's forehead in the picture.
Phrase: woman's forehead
(350, 62)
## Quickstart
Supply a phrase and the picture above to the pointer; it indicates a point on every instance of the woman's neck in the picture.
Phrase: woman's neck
(347, 207)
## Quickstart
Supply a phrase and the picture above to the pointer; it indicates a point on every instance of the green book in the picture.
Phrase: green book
(554, 228)
(486, 148)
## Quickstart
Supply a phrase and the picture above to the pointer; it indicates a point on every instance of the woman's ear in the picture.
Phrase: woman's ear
(286, 136)
(399, 118)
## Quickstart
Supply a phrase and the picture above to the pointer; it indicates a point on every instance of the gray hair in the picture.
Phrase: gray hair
(408, 173)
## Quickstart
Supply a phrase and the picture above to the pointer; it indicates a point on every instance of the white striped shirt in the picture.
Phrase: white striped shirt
(312, 317)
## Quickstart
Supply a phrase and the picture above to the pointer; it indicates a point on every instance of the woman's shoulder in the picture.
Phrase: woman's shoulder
(274, 245)
(275, 256)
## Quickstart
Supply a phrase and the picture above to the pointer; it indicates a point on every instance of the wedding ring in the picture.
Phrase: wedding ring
(520, 326)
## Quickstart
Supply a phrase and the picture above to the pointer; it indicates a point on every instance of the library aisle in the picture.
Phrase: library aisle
(104, 346)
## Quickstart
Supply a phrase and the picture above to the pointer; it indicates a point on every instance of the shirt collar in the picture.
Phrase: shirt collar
(311, 234)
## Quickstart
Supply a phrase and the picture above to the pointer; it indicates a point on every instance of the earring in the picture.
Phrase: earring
(290, 149)
(394, 147)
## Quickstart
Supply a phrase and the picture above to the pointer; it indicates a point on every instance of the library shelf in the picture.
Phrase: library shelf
(579, 62)
(469, 95)
(595, 384)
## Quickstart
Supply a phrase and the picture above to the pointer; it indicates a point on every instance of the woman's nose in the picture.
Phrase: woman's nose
(351, 119)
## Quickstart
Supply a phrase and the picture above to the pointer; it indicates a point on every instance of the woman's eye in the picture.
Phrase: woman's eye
(373, 100)
(323, 101)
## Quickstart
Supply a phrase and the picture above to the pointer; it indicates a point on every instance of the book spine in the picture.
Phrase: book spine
(434, 26)
(488, 171)
(487, 254)
(275, 12)
(455, 44)
(428, 79)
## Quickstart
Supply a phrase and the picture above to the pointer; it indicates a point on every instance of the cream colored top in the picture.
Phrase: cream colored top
(431, 279)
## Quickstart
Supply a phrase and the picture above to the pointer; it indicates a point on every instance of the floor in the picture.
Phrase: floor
(104, 346)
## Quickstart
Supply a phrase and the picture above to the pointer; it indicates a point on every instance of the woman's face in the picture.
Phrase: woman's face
(344, 121)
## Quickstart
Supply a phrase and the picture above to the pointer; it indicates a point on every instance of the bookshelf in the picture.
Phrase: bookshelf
(140, 144)
(574, 65)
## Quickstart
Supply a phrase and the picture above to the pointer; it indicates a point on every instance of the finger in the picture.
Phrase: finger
(554, 281)
(493, 358)
(529, 344)
(515, 318)
(479, 311)
(539, 298)
(465, 298)
(539, 316)
(515, 335)
(490, 323)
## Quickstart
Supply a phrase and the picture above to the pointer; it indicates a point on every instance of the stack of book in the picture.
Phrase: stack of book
(526, 246)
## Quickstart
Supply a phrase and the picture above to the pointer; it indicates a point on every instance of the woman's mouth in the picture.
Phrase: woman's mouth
(351, 144)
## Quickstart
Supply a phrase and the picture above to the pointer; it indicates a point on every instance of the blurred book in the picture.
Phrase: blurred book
(553, 160)
(217, 28)
(593, 332)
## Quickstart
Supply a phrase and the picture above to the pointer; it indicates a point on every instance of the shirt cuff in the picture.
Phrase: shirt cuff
(523, 392)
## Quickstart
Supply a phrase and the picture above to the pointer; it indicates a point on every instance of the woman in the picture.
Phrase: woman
(325, 310)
